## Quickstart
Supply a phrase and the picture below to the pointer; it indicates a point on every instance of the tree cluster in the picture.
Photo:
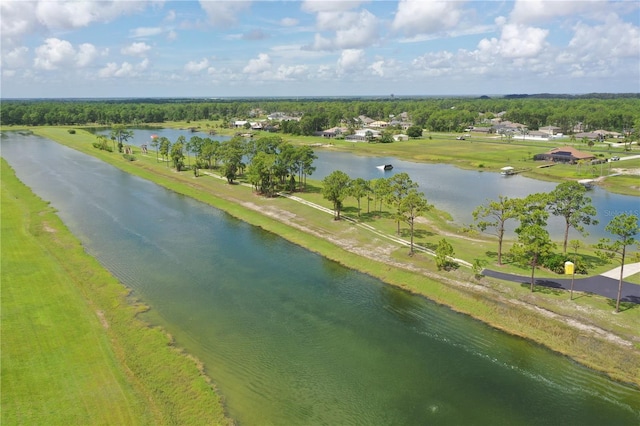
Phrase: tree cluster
(534, 246)
(398, 192)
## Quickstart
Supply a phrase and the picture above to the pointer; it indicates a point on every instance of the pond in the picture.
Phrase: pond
(451, 189)
(292, 338)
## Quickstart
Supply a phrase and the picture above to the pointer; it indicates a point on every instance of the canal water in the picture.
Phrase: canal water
(448, 188)
(292, 338)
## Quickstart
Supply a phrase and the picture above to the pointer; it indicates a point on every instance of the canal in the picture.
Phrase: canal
(292, 338)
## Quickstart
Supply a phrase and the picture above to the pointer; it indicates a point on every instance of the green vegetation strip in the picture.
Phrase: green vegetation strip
(73, 349)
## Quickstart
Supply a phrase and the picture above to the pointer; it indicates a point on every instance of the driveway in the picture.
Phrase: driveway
(603, 285)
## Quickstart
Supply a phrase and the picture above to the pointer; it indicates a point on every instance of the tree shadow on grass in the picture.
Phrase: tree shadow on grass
(492, 254)
(417, 233)
(625, 303)
(545, 287)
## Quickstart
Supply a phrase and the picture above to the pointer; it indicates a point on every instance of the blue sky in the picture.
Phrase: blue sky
(317, 48)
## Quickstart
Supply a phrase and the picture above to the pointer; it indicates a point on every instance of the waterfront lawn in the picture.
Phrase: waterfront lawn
(72, 350)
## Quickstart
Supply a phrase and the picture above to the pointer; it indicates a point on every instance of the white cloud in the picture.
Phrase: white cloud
(437, 63)
(415, 17)
(15, 58)
(259, 65)
(86, 54)
(139, 49)
(315, 6)
(352, 30)
(351, 60)
(56, 53)
(291, 72)
(144, 32)
(125, 69)
(289, 22)
(20, 18)
(196, 67)
(171, 16)
(295, 52)
(223, 13)
(516, 41)
(542, 11)
(613, 39)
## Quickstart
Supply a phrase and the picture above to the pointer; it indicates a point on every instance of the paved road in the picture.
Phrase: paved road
(600, 284)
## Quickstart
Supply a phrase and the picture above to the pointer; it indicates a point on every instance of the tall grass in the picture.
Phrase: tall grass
(73, 349)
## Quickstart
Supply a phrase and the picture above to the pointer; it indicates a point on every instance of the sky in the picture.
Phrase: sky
(108, 49)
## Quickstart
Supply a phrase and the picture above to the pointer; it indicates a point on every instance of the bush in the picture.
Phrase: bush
(102, 147)
(129, 157)
(554, 262)
(72, 131)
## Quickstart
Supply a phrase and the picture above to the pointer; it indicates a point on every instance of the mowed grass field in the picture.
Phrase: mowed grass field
(73, 351)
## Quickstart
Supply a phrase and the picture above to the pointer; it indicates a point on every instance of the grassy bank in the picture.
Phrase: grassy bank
(73, 350)
(543, 316)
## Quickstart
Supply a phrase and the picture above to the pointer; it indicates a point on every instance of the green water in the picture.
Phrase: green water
(291, 338)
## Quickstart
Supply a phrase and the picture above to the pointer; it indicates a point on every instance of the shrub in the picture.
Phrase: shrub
(72, 131)
(104, 147)
(555, 262)
(129, 157)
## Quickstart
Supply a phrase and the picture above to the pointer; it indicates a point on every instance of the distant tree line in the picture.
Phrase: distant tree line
(614, 113)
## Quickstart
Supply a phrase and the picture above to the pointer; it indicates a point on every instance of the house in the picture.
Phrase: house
(565, 154)
(378, 124)
(333, 132)
(589, 135)
(400, 137)
(364, 120)
(538, 134)
(550, 130)
(363, 135)
(239, 123)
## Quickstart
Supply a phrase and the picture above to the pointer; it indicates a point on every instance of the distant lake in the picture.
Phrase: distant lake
(449, 188)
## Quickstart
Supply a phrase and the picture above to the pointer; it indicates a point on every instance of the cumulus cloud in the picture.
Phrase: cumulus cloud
(258, 65)
(291, 72)
(56, 53)
(20, 18)
(86, 54)
(353, 30)
(415, 17)
(351, 60)
(541, 11)
(223, 14)
(15, 58)
(125, 69)
(196, 67)
(136, 49)
(516, 41)
(613, 39)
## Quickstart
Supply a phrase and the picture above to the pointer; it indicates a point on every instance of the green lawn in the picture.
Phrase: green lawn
(73, 351)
